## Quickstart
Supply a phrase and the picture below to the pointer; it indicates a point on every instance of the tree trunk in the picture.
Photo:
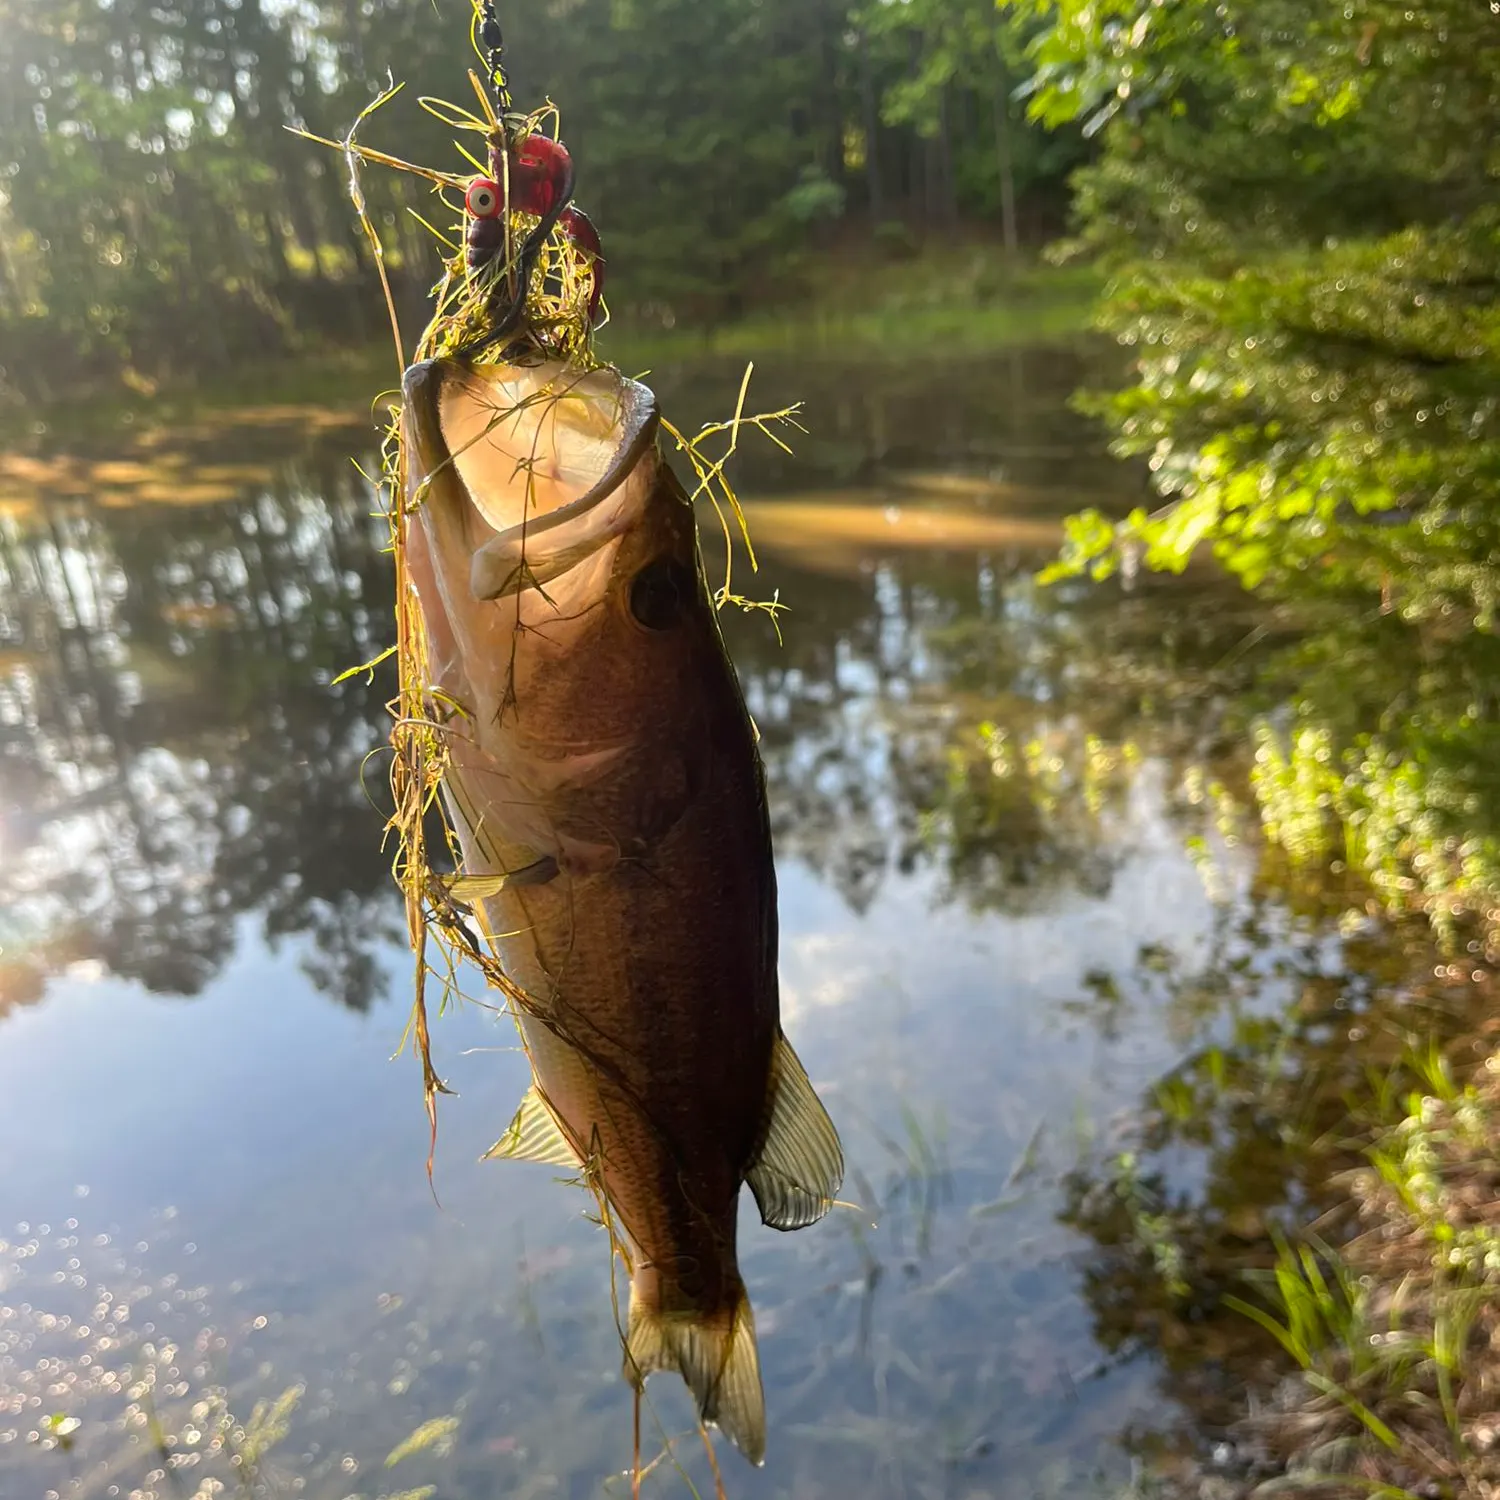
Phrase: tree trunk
(921, 146)
(10, 286)
(276, 252)
(871, 114)
(1005, 163)
(831, 127)
(949, 188)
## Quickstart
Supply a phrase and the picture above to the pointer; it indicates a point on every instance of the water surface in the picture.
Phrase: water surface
(1011, 900)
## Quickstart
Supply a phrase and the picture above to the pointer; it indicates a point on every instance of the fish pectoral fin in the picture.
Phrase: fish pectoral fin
(715, 1354)
(534, 1135)
(471, 888)
(800, 1164)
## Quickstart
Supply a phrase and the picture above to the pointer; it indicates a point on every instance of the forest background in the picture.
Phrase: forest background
(159, 219)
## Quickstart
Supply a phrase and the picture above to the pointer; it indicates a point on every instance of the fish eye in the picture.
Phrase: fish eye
(483, 198)
(660, 592)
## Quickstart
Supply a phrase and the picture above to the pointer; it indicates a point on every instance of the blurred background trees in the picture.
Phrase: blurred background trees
(157, 216)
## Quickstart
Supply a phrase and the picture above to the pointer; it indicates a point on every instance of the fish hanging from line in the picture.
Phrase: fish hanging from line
(602, 773)
(564, 679)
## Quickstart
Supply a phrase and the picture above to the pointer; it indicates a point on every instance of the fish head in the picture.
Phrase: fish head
(555, 558)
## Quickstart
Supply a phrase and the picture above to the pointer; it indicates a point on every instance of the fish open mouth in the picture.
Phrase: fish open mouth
(535, 448)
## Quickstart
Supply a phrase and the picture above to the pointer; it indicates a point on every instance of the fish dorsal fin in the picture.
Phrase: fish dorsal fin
(800, 1164)
(534, 1135)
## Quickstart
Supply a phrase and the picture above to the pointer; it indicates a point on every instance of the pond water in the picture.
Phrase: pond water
(1017, 890)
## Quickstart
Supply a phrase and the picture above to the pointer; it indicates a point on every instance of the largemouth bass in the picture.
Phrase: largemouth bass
(603, 762)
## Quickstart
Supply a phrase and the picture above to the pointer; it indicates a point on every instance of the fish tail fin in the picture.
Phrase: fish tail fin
(715, 1354)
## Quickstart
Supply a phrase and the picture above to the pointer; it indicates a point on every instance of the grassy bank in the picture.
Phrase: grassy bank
(1322, 1284)
(960, 298)
(1396, 1335)
(1323, 1301)
(951, 299)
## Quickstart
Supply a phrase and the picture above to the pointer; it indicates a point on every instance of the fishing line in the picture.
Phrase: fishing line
(492, 50)
(494, 54)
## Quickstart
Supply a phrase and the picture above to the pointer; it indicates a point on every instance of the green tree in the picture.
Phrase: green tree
(1299, 204)
(950, 70)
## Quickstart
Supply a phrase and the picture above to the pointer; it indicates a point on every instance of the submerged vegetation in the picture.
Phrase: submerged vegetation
(1337, 1252)
(1395, 1332)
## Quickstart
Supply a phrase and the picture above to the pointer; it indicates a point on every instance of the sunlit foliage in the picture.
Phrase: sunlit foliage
(1300, 203)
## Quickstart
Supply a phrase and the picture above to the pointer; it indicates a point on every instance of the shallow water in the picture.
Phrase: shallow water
(212, 1183)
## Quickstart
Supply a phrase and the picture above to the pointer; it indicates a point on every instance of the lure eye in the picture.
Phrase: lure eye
(483, 198)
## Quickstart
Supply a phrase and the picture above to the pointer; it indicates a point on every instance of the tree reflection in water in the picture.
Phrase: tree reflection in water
(178, 774)
(173, 756)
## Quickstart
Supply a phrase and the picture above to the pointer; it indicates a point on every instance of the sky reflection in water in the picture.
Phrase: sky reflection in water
(203, 980)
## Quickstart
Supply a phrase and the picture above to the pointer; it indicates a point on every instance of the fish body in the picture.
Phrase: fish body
(604, 762)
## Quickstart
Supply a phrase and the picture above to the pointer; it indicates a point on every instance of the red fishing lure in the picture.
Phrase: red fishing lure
(539, 179)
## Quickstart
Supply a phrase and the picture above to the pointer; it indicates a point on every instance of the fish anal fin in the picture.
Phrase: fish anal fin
(800, 1165)
(716, 1356)
(534, 1135)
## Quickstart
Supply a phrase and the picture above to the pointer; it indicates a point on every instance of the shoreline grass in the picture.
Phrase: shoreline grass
(959, 299)
(1396, 1334)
